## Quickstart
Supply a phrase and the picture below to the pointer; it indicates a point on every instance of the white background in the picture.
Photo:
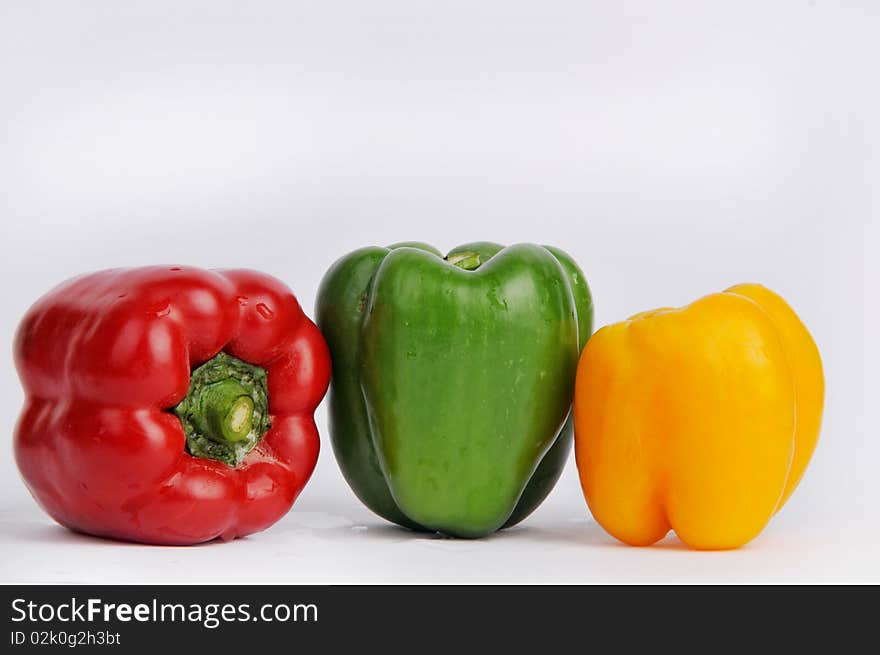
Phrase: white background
(674, 148)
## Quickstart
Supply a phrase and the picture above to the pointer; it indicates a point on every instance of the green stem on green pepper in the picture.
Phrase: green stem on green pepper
(469, 261)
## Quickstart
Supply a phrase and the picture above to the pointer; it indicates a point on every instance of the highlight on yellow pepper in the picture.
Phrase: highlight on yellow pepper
(700, 420)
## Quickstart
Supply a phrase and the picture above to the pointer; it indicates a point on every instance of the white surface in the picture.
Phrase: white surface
(318, 543)
(673, 148)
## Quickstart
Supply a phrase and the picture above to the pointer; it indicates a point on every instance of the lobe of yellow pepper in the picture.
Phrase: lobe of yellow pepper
(701, 420)
(809, 380)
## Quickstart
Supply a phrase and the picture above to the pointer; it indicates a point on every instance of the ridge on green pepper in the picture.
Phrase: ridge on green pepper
(450, 402)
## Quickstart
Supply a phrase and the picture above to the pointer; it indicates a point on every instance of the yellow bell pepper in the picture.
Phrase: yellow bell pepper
(700, 420)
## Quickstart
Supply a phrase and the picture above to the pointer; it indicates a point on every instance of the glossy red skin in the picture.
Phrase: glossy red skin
(103, 357)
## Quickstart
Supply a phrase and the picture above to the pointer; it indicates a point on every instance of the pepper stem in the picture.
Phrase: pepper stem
(229, 410)
(226, 410)
(468, 261)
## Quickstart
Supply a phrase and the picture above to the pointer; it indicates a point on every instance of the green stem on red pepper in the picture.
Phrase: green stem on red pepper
(226, 410)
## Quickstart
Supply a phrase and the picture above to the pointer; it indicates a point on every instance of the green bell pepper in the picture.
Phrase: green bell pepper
(453, 379)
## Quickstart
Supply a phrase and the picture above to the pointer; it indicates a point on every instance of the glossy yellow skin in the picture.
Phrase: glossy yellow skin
(700, 420)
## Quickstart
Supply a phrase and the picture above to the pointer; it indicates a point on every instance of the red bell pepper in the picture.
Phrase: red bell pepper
(168, 405)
